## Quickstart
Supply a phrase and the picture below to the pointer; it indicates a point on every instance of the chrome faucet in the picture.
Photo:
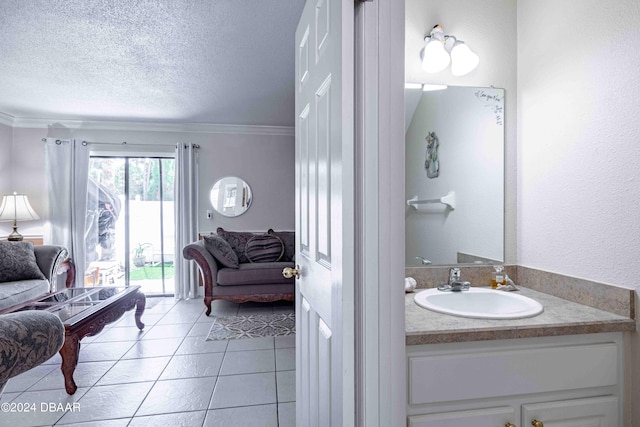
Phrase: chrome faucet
(454, 275)
(455, 283)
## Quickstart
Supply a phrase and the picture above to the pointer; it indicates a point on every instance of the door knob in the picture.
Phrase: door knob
(510, 425)
(289, 272)
(536, 423)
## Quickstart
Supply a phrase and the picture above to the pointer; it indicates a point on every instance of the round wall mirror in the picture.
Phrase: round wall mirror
(230, 196)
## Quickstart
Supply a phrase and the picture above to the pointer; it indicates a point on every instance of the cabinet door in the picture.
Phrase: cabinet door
(489, 417)
(590, 412)
(511, 371)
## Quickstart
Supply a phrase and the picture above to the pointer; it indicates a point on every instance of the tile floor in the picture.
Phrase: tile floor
(165, 375)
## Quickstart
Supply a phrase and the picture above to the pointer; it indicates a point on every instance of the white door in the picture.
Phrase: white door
(325, 214)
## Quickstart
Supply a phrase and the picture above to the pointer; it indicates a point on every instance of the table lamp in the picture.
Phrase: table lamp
(16, 207)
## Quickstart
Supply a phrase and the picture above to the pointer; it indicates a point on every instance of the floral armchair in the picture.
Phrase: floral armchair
(27, 339)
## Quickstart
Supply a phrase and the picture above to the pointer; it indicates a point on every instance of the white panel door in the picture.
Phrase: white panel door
(590, 412)
(324, 214)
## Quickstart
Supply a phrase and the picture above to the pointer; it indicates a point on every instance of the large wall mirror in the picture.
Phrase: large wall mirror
(454, 154)
(231, 196)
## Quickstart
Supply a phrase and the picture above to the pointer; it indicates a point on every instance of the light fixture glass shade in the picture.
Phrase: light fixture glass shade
(16, 207)
(463, 59)
(435, 58)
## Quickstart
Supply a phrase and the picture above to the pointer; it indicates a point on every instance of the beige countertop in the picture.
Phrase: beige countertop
(560, 317)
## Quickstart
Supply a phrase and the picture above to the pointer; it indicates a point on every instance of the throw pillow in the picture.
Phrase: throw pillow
(238, 241)
(221, 251)
(18, 262)
(289, 240)
(264, 248)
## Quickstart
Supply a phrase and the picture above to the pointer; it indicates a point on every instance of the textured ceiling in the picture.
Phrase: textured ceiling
(170, 61)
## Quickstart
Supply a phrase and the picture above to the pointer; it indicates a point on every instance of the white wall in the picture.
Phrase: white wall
(471, 140)
(5, 169)
(266, 162)
(579, 138)
(28, 175)
(489, 27)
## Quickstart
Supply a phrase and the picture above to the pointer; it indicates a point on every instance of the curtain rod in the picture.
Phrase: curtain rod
(85, 143)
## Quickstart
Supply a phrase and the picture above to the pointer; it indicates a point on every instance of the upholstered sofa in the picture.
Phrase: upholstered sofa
(242, 266)
(27, 271)
(27, 339)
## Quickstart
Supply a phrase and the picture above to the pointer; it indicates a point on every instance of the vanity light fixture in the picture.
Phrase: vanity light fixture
(440, 50)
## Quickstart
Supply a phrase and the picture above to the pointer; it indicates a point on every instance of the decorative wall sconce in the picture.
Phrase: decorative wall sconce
(440, 50)
(16, 207)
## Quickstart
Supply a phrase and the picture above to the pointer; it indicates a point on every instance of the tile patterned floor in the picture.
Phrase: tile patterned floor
(166, 375)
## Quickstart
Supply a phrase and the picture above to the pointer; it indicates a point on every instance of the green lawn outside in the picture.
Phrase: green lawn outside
(149, 272)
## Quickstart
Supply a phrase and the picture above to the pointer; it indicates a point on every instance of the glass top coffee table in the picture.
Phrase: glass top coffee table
(85, 312)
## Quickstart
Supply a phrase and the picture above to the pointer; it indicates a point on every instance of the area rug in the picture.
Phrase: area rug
(252, 326)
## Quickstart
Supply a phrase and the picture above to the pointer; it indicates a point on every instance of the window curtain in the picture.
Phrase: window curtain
(67, 171)
(186, 214)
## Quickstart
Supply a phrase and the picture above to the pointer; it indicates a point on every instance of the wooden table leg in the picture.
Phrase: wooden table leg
(69, 352)
(141, 301)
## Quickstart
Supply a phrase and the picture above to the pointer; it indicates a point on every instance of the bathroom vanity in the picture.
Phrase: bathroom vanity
(563, 367)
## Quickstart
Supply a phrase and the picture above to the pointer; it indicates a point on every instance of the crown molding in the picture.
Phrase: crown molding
(21, 122)
(6, 119)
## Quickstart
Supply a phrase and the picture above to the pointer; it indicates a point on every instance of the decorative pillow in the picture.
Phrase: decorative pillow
(289, 240)
(221, 251)
(238, 241)
(264, 248)
(18, 262)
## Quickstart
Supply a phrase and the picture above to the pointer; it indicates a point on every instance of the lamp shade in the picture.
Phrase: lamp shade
(16, 207)
(463, 59)
(435, 58)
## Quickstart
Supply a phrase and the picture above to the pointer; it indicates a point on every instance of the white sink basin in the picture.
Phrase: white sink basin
(479, 303)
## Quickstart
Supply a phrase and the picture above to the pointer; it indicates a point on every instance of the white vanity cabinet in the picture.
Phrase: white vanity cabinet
(558, 381)
(589, 412)
(475, 418)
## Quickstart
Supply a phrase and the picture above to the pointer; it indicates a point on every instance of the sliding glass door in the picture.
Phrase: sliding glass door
(130, 223)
